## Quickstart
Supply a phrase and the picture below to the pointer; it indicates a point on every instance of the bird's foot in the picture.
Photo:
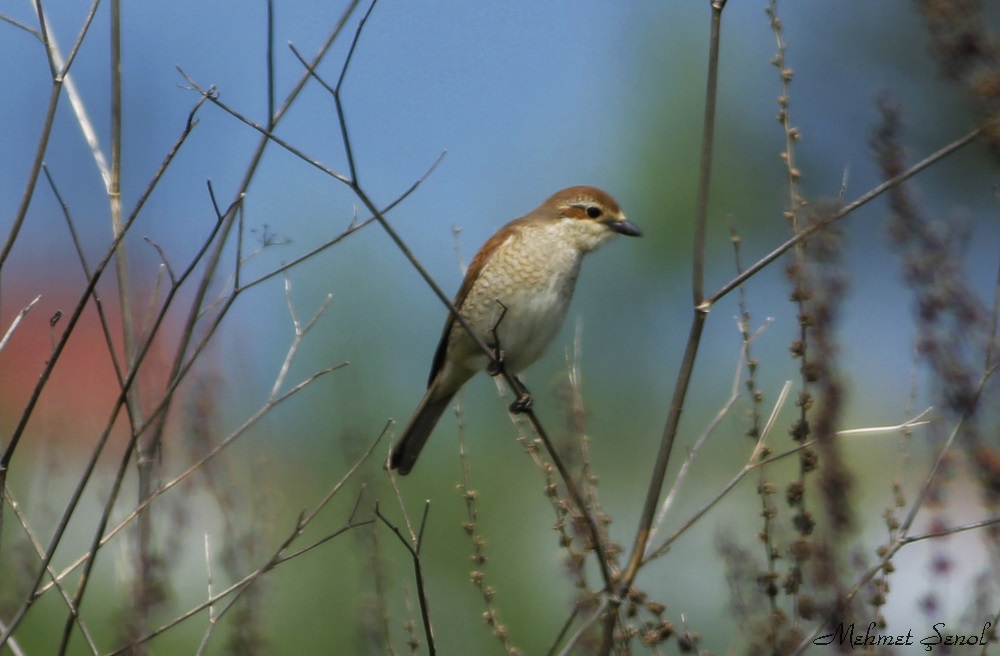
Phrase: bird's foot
(496, 367)
(522, 404)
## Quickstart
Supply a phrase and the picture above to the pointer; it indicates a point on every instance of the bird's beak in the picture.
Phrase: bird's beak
(625, 227)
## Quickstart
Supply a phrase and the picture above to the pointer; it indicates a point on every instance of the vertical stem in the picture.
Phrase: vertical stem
(114, 188)
(145, 455)
(270, 66)
(707, 148)
(114, 180)
(694, 338)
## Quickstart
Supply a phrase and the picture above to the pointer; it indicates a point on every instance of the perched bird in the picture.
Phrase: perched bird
(518, 288)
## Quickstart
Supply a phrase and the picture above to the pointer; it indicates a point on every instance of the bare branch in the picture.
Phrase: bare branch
(698, 443)
(59, 74)
(17, 321)
(40, 552)
(277, 557)
(418, 572)
(163, 259)
(865, 198)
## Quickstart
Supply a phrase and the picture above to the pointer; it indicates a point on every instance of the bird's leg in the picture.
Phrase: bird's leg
(524, 401)
(497, 366)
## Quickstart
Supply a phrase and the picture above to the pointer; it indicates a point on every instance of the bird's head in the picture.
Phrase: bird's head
(588, 213)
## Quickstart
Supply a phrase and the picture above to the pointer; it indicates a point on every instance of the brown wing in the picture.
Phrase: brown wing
(475, 267)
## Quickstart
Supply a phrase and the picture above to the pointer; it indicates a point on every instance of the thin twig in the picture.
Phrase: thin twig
(78, 245)
(992, 521)
(163, 259)
(27, 28)
(865, 198)
(17, 321)
(696, 447)
(414, 548)
(592, 619)
(773, 417)
(906, 425)
(300, 334)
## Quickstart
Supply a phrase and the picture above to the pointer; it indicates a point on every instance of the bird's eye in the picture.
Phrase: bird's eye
(593, 211)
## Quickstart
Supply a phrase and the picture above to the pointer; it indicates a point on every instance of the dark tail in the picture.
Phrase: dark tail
(415, 435)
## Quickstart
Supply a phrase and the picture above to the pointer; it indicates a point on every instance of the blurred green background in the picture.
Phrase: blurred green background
(525, 98)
